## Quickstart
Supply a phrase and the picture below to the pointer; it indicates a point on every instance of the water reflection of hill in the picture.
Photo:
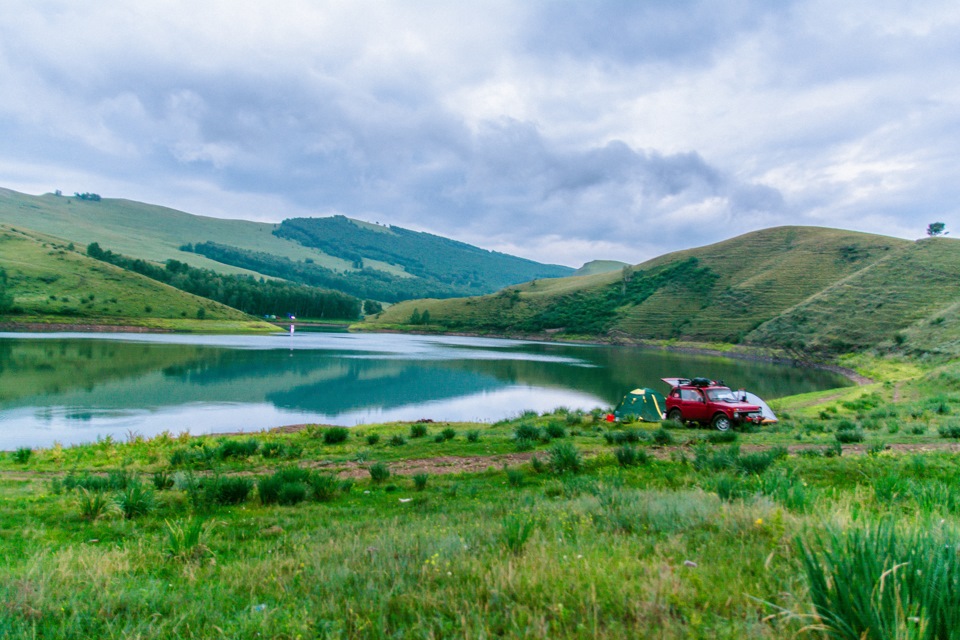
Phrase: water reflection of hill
(108, 374)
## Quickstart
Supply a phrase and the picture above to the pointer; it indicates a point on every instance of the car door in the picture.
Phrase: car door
(694, 404)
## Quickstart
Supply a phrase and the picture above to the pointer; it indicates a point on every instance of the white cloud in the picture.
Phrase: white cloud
(600, 130)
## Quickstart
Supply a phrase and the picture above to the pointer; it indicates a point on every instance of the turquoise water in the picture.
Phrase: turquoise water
(73, 388)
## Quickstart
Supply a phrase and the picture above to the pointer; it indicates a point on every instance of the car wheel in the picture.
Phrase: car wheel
(721, 422)
(675, 415)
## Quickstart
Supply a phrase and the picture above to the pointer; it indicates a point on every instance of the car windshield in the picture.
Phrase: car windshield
(721, 395)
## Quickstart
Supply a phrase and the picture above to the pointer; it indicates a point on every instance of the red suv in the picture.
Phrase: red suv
(708, 402)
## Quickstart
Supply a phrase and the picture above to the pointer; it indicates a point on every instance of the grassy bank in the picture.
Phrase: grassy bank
(559, 525)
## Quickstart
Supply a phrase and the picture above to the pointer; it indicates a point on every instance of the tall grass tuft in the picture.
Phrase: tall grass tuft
(884, 583)
(94, 505)
(515, 533)
(185, 542)
(420, 481)
(629, 456)
(565, 458)
(379, 472)
(335, 435)
(136, 500)
(22, 455)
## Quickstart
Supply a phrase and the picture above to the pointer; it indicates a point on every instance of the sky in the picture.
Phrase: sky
(555, 130)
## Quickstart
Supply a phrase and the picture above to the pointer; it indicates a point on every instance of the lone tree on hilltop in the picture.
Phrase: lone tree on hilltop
(935, 229)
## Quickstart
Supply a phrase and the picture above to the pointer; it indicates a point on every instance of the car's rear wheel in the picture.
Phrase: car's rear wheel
(721, 422)
(675, 415)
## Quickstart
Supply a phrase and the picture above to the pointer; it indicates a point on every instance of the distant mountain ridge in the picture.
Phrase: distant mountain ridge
(804, 289)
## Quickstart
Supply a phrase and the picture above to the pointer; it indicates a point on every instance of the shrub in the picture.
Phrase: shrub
(397, 441)
(323, 486)
(292, 493)
(268, 488)
(271, 450)
(556, 430)
(379, 472)
(237, 449)
(527, 431)
(232, 490)
(449, 433)
(439, 438)
(514, 477)
(373, 439)
(950, 431)
(524, 444)
(876, 448)
(718, 437)
(671, 424)
(135, 500)
(730, 488)
(335, 435)
(848, 436)
(22, 455)
(834, 450)
(662, 437)
(565, 458)
(755, 463)
(918, 430)
(473, 436)
(628, 456)
(420, 481)
(418, 430)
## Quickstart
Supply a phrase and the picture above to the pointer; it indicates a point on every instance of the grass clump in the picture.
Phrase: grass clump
(663, 437)
(473, 435)
(515, 533)
(565, 458)
(335, 435)
(881, 582)
(186, 541)
(379, 472)
(418, 430)
(136, 500)
(849, 436)
(449, 433)
(629, 456)
(420, 481)
(22, 455)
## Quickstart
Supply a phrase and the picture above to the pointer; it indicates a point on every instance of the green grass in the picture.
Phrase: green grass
(604, 538)
(800, 290)
(52, 283)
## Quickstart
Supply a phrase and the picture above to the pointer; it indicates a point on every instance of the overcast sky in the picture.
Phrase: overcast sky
(558, 131)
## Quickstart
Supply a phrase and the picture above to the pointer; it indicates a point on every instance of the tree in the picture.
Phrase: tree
(415, 317)
(371, 307)
(425, 318)
(935, 229)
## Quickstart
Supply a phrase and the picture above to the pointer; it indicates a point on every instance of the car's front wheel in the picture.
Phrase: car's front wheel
(721, 422)
(675, 415)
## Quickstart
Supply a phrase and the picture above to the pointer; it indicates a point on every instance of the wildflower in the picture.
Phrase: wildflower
(759, 522)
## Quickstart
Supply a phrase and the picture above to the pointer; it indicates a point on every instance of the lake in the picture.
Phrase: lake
(74, 388)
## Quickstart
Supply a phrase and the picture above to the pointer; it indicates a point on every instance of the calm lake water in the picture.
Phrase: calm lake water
(73, 388)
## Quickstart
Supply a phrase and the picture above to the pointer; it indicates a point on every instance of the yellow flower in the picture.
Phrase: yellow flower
(759, 522)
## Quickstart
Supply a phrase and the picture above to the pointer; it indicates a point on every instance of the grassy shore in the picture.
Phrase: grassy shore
(558, 525)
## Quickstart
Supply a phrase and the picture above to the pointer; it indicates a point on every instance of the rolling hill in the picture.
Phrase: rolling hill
(357, 258)
(49, 280)
(805, 289)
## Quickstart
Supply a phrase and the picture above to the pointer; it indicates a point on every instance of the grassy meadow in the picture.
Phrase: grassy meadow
(54, 282)
(837, 522)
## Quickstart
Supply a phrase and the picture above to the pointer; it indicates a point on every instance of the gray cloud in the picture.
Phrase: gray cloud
(560, 131)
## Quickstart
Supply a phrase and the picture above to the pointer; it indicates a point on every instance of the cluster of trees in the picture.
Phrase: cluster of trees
(468, 269)
(366, 283)
(250, 295)
(420, 318)
(94, 197)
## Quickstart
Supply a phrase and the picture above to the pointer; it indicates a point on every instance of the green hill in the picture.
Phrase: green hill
(49, 280)
(361, 259)
(599, 266)
(799, 288)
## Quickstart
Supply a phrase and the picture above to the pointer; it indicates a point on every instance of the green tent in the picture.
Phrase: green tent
(642, 404)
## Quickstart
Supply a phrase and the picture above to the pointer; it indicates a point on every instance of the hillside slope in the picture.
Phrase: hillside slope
(800, 288)
(331, 252)
(47, 278)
